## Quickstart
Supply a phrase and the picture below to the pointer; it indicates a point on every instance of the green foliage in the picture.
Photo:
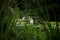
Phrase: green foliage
(7, 19)
(10, 12)
(28, 32)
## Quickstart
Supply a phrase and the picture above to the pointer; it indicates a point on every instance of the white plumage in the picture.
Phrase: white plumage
(31, 21)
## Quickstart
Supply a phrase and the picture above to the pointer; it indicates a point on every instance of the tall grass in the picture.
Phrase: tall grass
(9, 30)
(8, 17)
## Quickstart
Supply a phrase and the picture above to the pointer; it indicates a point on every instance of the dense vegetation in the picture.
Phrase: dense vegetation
(44, 10)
